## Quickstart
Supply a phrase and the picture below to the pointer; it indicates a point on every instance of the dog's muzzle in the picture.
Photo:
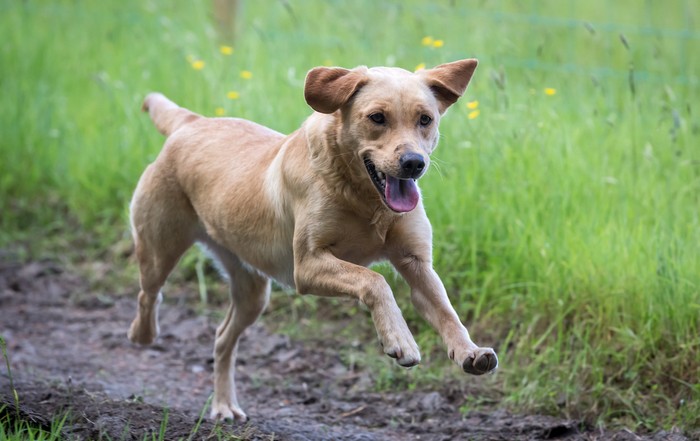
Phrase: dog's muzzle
(400, 194)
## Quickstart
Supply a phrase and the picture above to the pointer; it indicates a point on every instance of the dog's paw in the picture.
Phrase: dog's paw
(227, 413)
(479, 361)
(142, 332)
(405, 351)
(144, 329)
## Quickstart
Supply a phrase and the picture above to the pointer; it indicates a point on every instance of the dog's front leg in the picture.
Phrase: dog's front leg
(430, 299)
(320, 272)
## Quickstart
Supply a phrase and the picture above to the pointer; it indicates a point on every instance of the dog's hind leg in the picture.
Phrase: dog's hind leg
(163, 226)
(249, 292)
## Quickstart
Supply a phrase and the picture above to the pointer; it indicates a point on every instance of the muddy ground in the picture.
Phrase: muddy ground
(69, 355)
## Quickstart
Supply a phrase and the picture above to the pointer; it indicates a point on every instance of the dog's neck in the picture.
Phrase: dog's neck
(343, 172)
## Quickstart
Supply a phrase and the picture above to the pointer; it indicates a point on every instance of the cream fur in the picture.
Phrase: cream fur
(302, 209)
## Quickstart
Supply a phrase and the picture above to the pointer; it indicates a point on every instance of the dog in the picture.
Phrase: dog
(310, 210)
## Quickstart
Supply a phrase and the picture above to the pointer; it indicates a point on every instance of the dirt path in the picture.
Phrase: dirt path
(69, 354)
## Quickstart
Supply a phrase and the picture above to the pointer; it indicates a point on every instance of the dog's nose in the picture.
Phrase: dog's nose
(412, 165)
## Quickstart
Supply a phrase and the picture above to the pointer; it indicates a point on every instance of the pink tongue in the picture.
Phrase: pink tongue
(401, 194)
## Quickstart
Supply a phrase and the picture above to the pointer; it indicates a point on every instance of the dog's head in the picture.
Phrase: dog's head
(388, 118)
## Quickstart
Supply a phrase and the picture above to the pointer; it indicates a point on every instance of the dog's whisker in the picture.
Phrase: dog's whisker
(438, 168)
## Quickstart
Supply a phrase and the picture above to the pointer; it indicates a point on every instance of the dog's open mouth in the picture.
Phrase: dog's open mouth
(401, 195)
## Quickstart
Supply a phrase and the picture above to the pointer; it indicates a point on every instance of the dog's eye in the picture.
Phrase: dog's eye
(425, 120)
(377, 118)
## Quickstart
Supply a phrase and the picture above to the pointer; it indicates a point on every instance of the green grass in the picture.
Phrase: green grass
(15, 428)
(20, 430)
(566, 225)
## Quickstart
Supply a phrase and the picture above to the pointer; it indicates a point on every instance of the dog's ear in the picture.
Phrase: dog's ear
(449, 81)
(328, 88)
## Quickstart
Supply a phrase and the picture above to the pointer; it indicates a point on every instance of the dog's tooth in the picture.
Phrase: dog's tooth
(381, 175)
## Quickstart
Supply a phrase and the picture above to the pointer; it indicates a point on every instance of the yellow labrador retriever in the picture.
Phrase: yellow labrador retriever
(310, 210)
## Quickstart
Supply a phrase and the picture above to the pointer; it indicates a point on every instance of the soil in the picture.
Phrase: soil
(69, 356)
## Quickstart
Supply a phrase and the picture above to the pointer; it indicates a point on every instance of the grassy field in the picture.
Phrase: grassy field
(565, 197)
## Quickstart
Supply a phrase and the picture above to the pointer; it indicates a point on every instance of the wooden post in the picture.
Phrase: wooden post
(225, 12)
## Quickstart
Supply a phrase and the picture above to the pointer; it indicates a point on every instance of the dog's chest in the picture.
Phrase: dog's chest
(360, 241)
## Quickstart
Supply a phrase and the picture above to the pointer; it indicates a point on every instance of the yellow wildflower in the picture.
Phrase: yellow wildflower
(328, 62)
(198, 64)
(473, 114)
(246, 74)
(472, 104)
(420, 67)
(233, 95)
(219, 111)
(226, 50)
(427, 41)
(438, 43)
(550, 91)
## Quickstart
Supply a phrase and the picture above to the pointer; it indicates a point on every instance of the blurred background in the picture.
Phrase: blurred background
(565, 194)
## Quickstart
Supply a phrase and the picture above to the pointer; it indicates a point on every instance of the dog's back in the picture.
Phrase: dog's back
(214, 182)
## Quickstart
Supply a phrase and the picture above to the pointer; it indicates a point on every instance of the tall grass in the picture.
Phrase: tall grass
(566, 223)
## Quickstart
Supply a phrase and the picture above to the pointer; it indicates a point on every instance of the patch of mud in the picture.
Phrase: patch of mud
(70, 356)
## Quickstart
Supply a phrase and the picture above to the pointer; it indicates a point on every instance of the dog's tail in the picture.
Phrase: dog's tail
(166, 115)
